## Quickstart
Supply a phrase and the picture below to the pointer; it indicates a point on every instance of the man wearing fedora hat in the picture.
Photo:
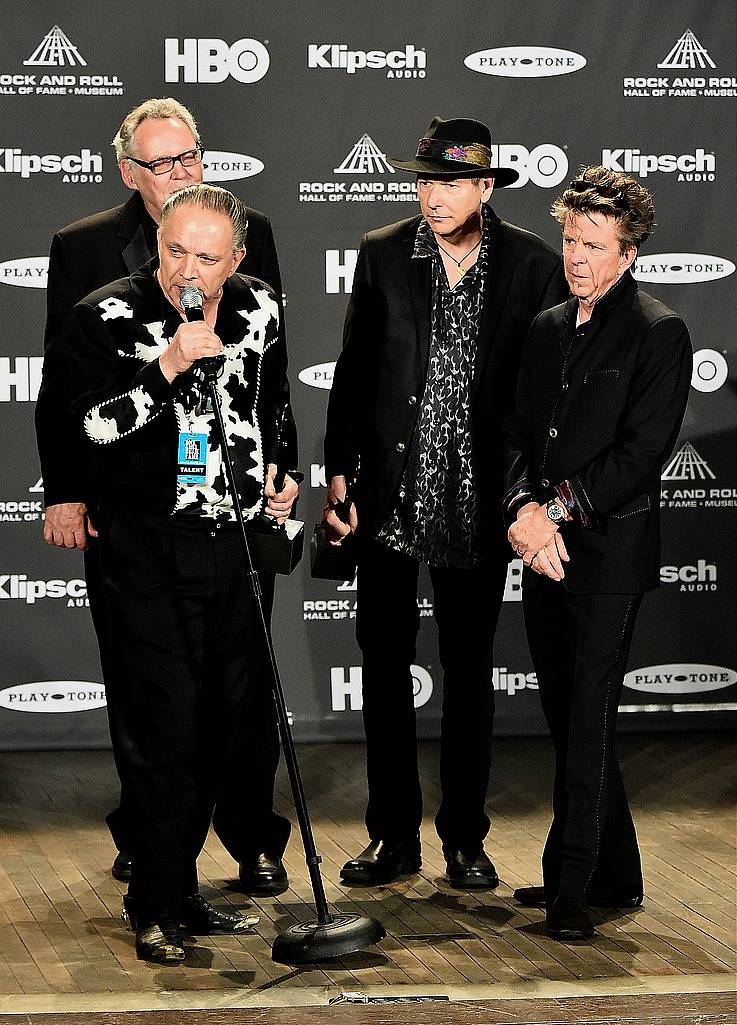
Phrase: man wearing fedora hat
(439, 310)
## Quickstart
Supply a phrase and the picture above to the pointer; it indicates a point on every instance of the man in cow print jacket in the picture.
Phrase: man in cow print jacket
(191, 681)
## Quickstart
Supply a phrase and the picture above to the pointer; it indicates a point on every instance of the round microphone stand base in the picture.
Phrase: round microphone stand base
(320, 941)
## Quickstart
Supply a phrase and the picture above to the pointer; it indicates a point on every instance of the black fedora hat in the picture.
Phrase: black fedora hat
(459, 148)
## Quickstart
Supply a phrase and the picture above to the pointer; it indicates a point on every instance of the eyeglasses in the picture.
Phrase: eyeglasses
(190, 158)
(605, 191)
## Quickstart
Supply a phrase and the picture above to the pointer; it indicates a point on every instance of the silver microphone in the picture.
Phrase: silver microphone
(191, 300)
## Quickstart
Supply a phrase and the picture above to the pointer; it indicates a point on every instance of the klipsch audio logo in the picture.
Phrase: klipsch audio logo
(363, 158)
(347, 695)
(53, 696)
(84, 166)
(410, 62)
(698, 166)
(525, 61)
(228, 167)
(689, 478)
(694, 578)
(681, 268)
(512, 683)
(28, 272)
(18, 587)
(57, 51)
(689, 678)
(688, 55)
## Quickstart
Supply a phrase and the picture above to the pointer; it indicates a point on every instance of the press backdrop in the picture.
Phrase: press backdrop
(298, 108)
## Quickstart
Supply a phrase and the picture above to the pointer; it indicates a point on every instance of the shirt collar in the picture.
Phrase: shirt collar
(426, 244)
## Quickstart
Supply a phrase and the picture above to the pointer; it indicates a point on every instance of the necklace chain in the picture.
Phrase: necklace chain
(459, 262)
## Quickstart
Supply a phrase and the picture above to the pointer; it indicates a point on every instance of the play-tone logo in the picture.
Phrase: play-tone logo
(28, 272)
(689, 678)
(525, 61)
(227, 167)
(53, 696)
(213, 60)
(710, 370)
(319, 376)
(681, 268)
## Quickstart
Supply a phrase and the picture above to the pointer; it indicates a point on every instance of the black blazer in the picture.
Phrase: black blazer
(85, 256)
(381, 372)
(606, 423)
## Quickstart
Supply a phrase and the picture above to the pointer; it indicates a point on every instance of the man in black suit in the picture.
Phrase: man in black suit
(440, 306)
(602, 392)
(159, 153)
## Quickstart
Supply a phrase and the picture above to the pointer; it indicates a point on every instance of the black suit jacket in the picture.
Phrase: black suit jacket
(381, 372)
(85, 256)
(605, 420)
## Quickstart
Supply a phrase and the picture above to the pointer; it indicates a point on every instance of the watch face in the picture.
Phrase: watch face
(556, 512)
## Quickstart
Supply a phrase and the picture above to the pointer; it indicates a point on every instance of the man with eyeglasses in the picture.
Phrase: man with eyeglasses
(601, 395)
(159, 153)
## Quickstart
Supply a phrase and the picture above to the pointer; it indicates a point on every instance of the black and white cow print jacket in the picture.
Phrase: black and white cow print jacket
(132, 416)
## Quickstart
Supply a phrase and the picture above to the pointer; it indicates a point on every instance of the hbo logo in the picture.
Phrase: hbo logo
(545, 166)
(213, 60)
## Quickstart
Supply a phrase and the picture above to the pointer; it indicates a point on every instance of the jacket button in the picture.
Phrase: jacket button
(553, 433)
(565, 386)
(400, 446)
(545, 483)
(412, 400)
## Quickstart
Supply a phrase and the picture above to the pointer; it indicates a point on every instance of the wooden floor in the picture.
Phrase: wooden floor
(63, 948)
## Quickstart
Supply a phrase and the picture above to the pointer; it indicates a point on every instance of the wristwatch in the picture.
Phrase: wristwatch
(556, 512)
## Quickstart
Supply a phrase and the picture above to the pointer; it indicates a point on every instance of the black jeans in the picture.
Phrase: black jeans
(580, 644)
(189, 699)
(467, 604)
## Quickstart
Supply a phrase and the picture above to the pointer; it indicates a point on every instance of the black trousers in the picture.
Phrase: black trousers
(580, 644)
(189, 699)
(467, 604)
(239, 838)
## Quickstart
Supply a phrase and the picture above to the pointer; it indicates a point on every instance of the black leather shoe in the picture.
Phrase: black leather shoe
(568, 919)
(160, 941)
(200, 916)
(470, 873)
(122, 867)
(534, 897)
(263, 875)
(383, 862)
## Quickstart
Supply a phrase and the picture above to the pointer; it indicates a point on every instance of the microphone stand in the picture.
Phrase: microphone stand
(331, 935)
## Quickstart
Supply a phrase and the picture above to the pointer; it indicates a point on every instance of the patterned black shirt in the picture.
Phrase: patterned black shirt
(436, 517)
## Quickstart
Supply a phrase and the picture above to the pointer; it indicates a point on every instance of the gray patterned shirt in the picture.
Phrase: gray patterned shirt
(436, 516)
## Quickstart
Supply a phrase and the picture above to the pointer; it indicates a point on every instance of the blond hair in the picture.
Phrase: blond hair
(162, 108)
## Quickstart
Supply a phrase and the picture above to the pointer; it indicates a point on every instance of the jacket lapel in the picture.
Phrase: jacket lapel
(499, 273)
(420, 289)
(135, 251)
